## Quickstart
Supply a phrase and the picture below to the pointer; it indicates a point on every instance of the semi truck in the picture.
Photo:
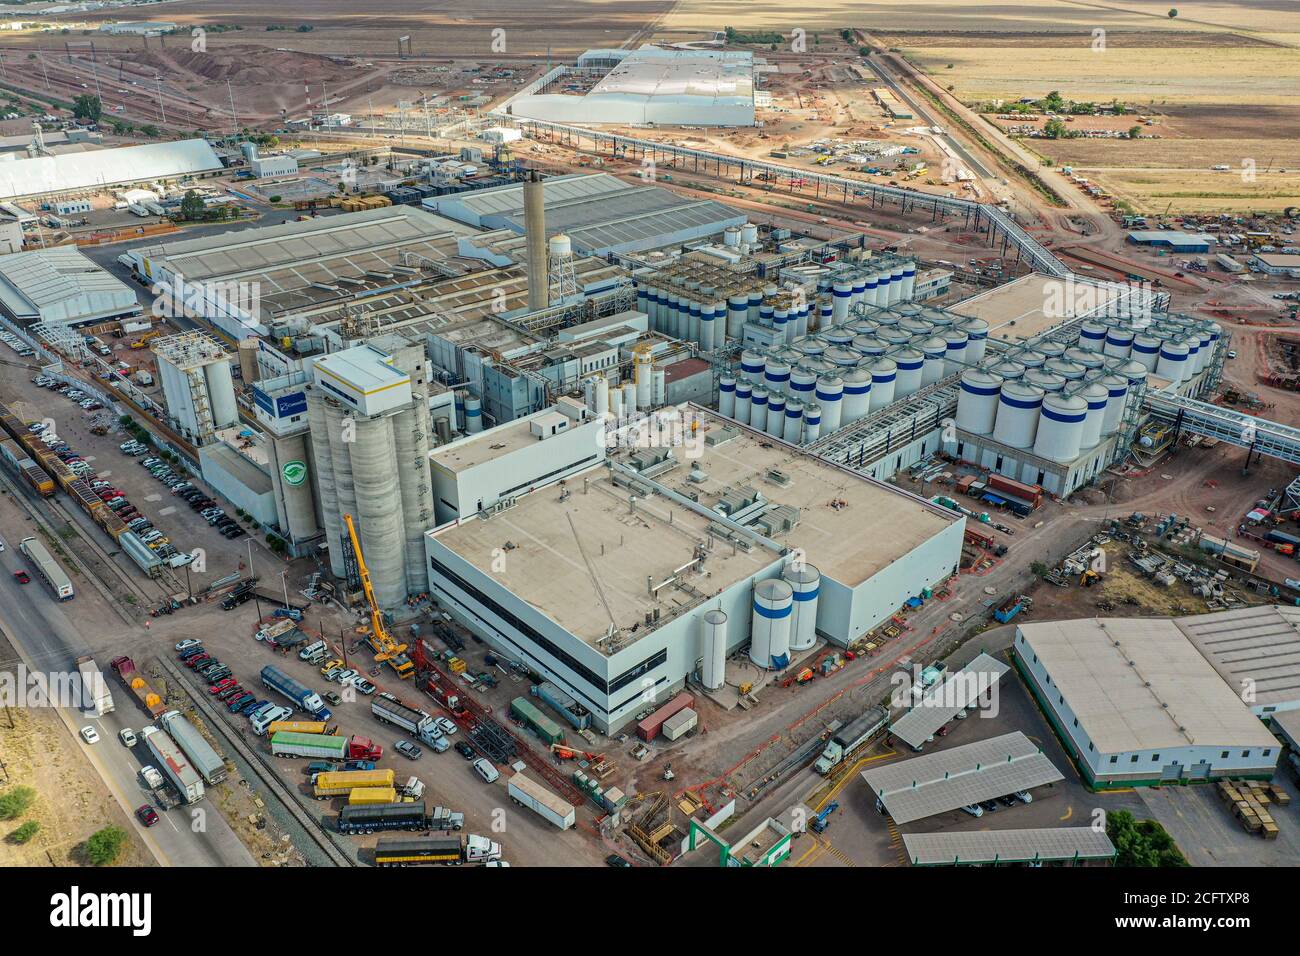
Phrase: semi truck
(415, 722)
(96, 698)
(529, 793)
(845, 742)
(149, 698)
(340, 783)
(174, 764)
(203, 758)
(446, 850)
(322, 747)
(388, 816)
(302, 697)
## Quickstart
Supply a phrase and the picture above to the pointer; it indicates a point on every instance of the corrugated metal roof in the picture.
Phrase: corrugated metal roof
(60, 285)
(106, 167)
(1260, 645)
(1008, 846)
(943, 781)
(943, 701)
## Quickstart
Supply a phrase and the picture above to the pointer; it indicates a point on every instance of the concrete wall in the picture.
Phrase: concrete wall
(258, 500)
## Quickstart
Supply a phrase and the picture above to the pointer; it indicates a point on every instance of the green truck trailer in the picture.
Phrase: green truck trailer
(536, 721)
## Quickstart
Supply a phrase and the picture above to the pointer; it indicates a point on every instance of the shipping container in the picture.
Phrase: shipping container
(203, 758)
(383, 816)
(649, 728)
(569, 709)
(1031, 495)
(318, 728)
(523, 710)
(680, 724)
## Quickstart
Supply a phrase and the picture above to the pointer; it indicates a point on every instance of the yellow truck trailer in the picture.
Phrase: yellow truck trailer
(298, 727)
(364, 795)
(341, 783)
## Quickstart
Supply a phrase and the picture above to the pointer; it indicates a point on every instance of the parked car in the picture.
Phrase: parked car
(240, 702)
(616, 861)
(364, 686)
(407, 749)
(359, 765)
(466, 751)
(332, 698)
(445, 724)
(974, 809)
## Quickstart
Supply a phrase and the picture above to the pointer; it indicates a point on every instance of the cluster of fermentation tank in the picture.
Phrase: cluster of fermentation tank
(1057, 401)
(821, 382)
(710, 305)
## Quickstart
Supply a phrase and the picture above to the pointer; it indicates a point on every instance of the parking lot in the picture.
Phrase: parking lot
(448, 776)
(859, 835)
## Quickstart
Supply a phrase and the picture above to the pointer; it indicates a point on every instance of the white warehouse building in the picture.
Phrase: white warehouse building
(1135, 703)
(636, 575)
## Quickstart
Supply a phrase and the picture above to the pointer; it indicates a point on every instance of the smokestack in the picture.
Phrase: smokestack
(539, 282)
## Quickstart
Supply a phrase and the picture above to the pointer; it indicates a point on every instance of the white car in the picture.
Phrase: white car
(445, 725)
(187, 644)
(127, 736)
(346, 677)
(90, 735)
(974, 810)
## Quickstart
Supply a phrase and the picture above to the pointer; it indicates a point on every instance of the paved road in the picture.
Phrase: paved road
(46, 640)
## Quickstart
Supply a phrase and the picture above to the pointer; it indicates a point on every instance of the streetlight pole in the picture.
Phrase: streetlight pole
(284, 581)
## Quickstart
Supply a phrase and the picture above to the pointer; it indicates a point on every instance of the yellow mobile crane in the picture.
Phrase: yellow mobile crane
(380, 641)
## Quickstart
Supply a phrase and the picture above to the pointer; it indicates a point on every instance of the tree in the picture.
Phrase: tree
(87, 107)
(1054, 129)
(1173, 12)
(1141, 843)
(25, 832)
(15, 802)
(1053, 102)
(1134, 132)
(864, 51)
(192, 206)
(103, 847)
(149, 131)
(1038, 569)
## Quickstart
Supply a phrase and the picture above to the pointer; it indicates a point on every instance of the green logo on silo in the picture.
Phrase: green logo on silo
(295, 472)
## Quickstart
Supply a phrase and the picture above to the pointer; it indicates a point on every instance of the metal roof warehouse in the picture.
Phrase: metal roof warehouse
(939, 782)
(975, 847)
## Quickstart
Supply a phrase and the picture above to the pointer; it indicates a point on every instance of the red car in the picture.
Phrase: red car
(146, 815)
(22, 577)
(196, 660)
(222, 685)
(107, 493)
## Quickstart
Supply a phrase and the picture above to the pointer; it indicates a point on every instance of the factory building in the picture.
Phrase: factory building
(1283, 265)
(370, 444)
(1135, 703)
(1256, 650)
(600, 214)
(99, 169)
(61, 287)
(197, 382)
(280, 406)
(491, 468)
(650, 86)
(696, 539)
(1184, 242)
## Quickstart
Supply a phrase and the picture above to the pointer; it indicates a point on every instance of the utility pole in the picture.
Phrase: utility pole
(162, 110)
(46, 72)
(234, 117)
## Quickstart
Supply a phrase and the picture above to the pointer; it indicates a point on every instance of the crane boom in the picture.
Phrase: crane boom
(380, 641)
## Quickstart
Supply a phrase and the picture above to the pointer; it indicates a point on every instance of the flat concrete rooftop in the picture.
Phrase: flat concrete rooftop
(1034, 304)
(582, 553)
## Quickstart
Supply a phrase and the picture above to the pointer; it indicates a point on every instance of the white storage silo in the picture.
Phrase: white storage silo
(473, 415)
(727, 396)
(765, 310)
(793, 429)
(1092, 336)
(977, 405)
(1146, 350)
(803, 382)
(737, 308)
(1018, 406)
(825, 312)
(1008, 371)
(629, 399)
(977, 332)
(751, 366)
(909, 282)
(1097, 397)
(758, 409)
(869, 345)
(1070, 371)
(713, 649)
(693, 323)
(770, 643)
(1119, 341)
(896, 283)
(221, 394)
(658, 388)
(909, 363)
(776, 374)
(1031, 358)
(856, 401)
(1080, 356)
(841, 293)
(838, 335)
(812, 423)
(1041, 378)
(894, 335)
(805, 584)
(830, 394)
(884, 377)
(781, 321)
(859, 291)
(935, 351)
(955, 341)
(708, 327)
(1060, 428)
(1173, 361)
(1116, 392)
(1195, 361)
(744, 392)
(643, 368)
(775, 425)
(755, 311)
(842, 356)
(1050, 349)
(749, 234)
(616, 403)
